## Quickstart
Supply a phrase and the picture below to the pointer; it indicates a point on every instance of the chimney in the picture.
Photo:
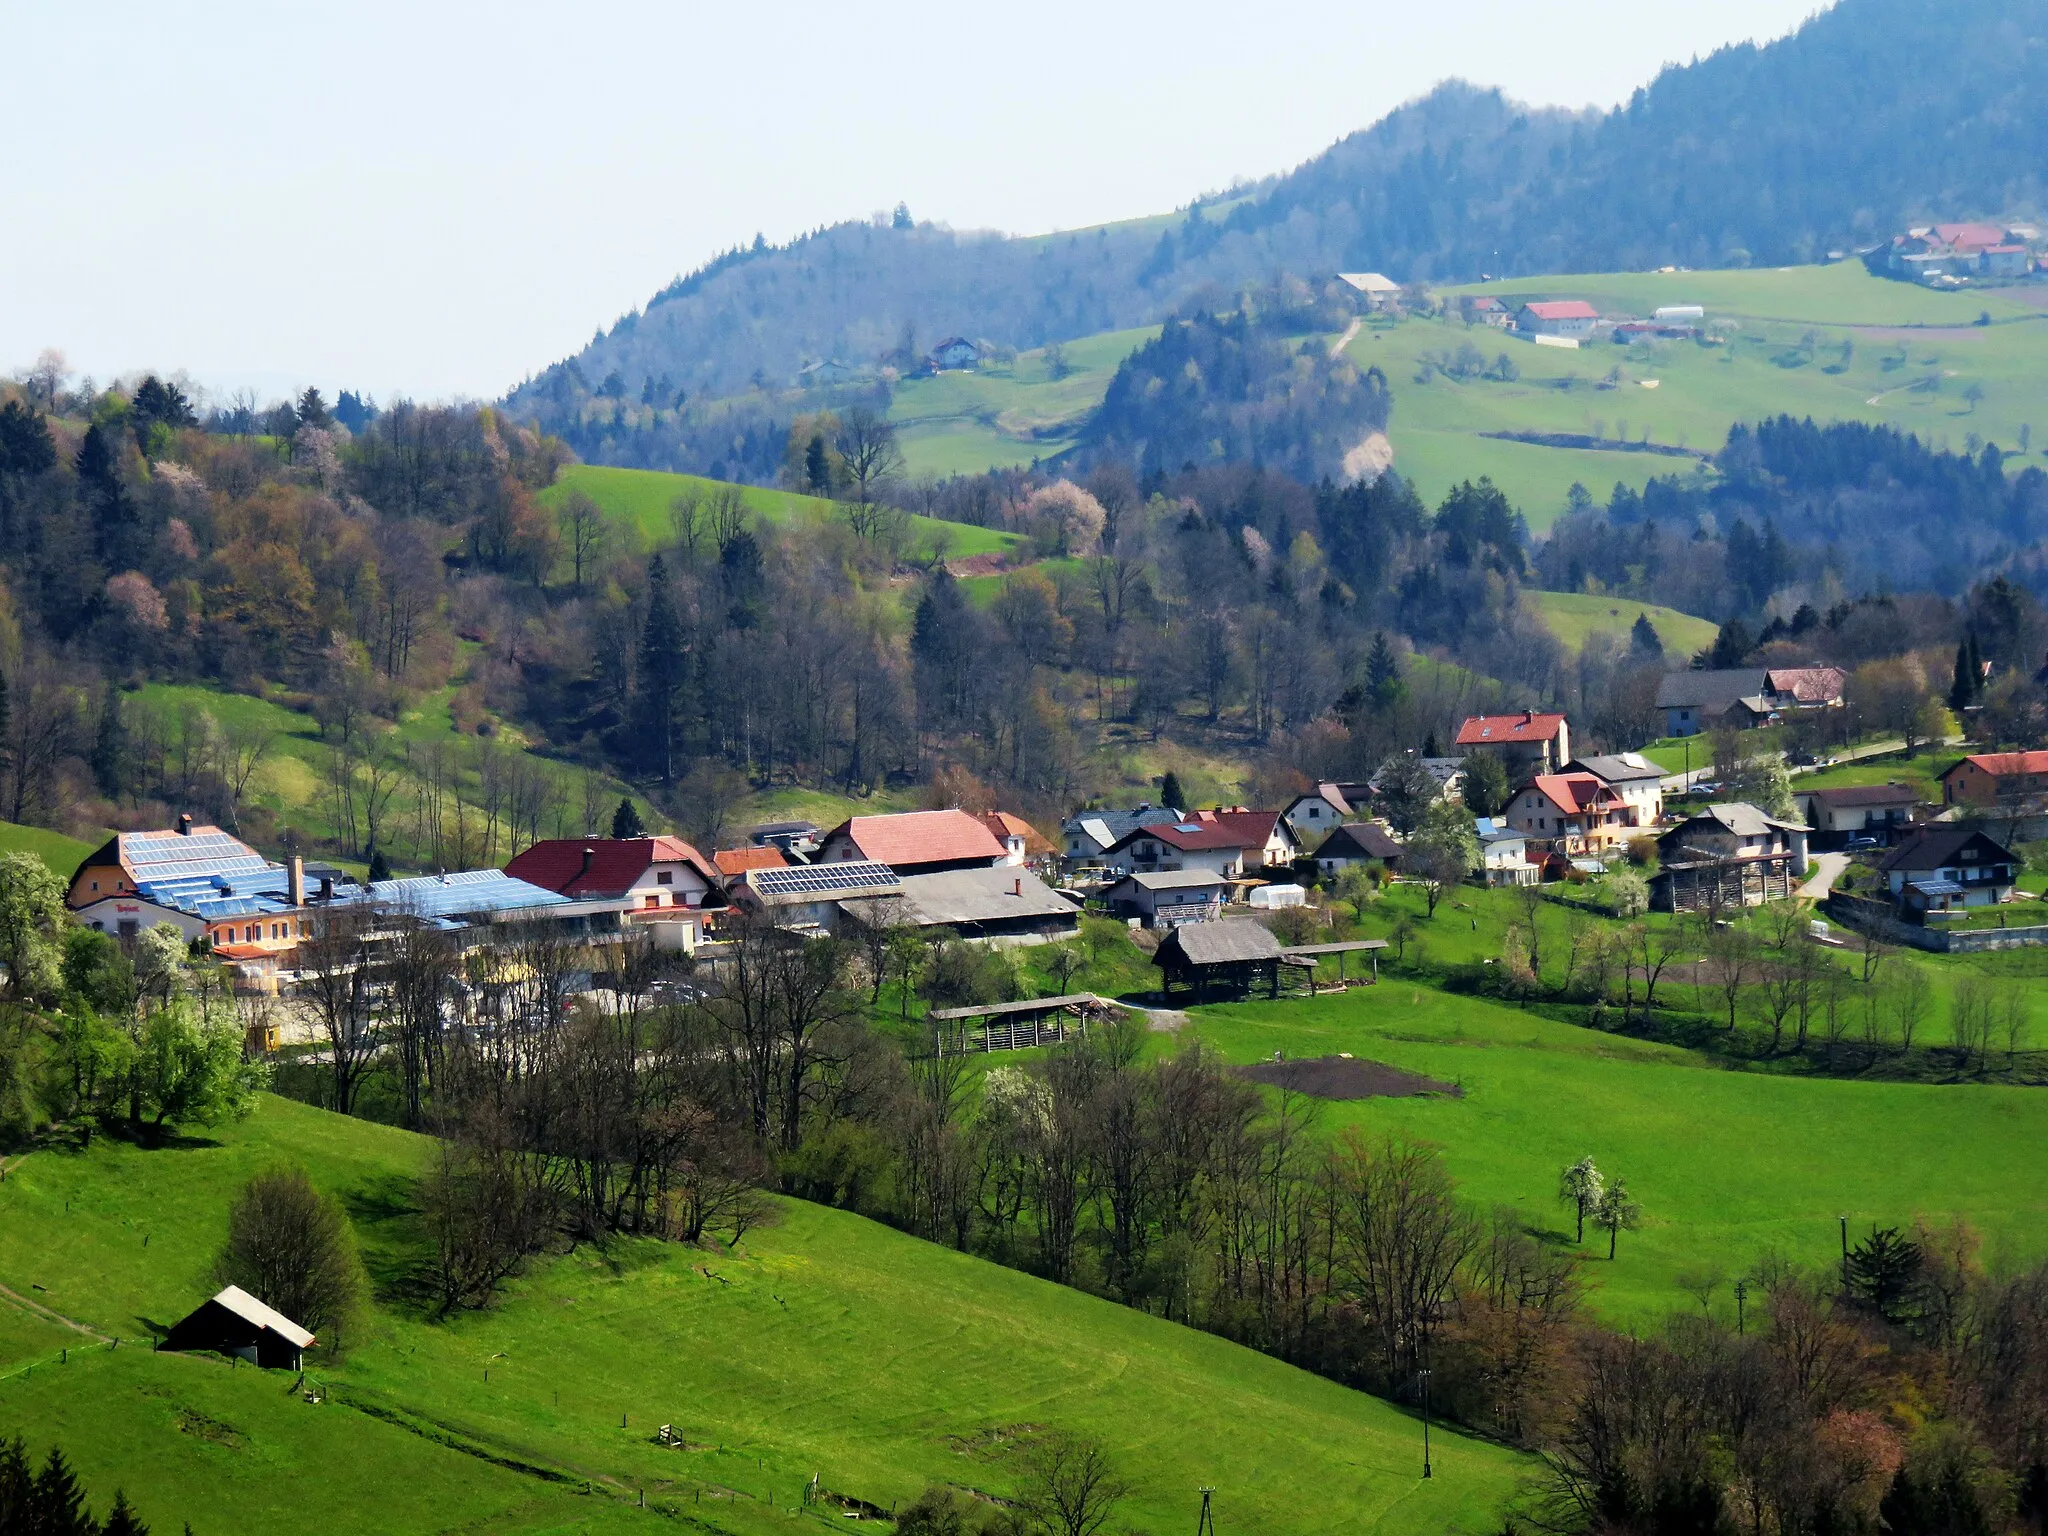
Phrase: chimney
(327, 887)
(1017, 886)
(295, 881)
(588, 855)
(184, 825)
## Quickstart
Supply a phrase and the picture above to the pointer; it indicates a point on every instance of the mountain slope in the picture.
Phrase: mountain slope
(1873, 114)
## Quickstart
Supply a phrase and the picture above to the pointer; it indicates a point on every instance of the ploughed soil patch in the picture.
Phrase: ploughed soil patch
(1344, 1077)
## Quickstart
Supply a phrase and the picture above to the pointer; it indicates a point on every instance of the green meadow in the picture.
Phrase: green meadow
(1576, 617)
(61, 853)
(824, 1346)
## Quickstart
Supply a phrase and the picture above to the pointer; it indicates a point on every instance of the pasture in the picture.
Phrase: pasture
(1576, 617)
(824, 1346)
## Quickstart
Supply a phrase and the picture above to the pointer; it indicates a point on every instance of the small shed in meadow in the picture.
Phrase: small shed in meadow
(1233, 955)
(232, 1322)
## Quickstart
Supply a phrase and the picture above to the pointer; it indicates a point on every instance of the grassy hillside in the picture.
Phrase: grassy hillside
(1727, 1164)
(1008, 414)
(61, 853)
(1910, 355)
(639, 499)
(827, 1346)
(1576, 617)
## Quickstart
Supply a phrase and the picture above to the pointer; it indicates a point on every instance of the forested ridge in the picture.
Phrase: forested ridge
(1874, 115)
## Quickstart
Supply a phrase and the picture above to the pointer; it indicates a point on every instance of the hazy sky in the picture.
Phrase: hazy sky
(437, 199)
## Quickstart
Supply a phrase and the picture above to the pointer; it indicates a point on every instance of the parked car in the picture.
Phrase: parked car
(1860, 844)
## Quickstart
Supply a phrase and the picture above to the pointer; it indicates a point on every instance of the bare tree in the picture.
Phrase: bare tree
(583, 526)
(244, 744)
(1071, 1488)
(867, 444)
(334, 978)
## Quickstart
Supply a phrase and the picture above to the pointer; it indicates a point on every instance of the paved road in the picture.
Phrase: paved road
(1827, 869)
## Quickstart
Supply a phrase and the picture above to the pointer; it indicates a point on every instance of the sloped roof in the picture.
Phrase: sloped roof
(1574, 793)
(1741, 819)
(1359, 840)
(1562, 309)
(238, 1301)
(1709, 689)
(167, 855)
(1193, 836)
(1003, 824)
(1939, 844)
(737, 861)
(1850, 796)
(465, 895)
(1109, 827)
(1220, 943)
(919, 837)
(966, 897)
(616, 863)
(807, 884)
(1490, 730)
(1619, 768)
(1809, 685)
(2001, 764)
(1174, 880)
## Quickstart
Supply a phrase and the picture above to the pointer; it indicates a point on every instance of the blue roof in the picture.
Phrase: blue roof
(1936, 887)
(468, 893)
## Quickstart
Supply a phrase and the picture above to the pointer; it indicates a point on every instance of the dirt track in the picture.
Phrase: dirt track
(1344, 1077)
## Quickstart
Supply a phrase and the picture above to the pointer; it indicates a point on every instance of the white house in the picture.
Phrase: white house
(1638, 781)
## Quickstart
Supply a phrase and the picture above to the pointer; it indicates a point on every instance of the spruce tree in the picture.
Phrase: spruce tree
(122, 1519)
(312, 410)
(1644, 640)
(380, 867)
(1961, 694)
(58, 1503)
(17, 1485)
(1382, 675)
(626, 821)
(817, 468)
(661, 676)
(1170, 792)
(109, 743)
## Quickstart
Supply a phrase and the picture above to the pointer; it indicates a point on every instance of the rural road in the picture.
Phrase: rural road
(1827, 869)
(1337, 347)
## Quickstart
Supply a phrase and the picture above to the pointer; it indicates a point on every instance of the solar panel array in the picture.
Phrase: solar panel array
(823, 879)
(162, 856)
(459, 894)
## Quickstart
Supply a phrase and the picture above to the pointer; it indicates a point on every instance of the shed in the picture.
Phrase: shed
(233, 1322)
(1231, 955)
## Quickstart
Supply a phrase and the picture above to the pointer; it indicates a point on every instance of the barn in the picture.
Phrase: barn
(233, 1322)
(1233, 955)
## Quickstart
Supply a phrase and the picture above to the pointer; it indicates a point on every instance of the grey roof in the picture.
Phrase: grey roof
(465, 896)
(1617, 768)
(1741, 819)
(1110, 827)
(1709, 690)
(1359, 840)
(1221, 943)
(1851, 795)
(1173, 879)
(970, 896)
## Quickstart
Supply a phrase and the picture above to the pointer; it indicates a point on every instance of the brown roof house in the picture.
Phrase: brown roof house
(1525, 743)
(914, 842)
(1882, 811)
(1728, 856)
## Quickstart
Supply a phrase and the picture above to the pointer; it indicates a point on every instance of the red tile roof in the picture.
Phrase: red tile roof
(1576, 793)
(2000, 764)
(919, 837)
(1562, 309)
(1809, 685)
(616, 864)
(1487, 730)
(1002, 824)
(1970, 234)
(737, 861)
(1194, 836)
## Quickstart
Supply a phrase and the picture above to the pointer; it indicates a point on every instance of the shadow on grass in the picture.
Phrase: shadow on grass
(396, 1252)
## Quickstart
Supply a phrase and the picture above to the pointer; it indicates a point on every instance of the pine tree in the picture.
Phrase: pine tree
(122, 1519)
(380, 867)
(1961, 694)
(1171, 794)
(58, 1501)
(626, 821)
(661, 675)
(1382, 675)
(109, 744)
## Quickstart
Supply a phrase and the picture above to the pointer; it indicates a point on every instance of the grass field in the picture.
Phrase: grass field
(1786, 355)
(639, 499)
(1727, 1164)
(1575, 618)
(1008, 414)
(61, 853)
(827, 1346)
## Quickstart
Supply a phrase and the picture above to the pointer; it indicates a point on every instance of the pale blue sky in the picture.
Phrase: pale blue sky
(421, 197)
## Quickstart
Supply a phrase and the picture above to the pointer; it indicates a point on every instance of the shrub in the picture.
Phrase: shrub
(292, 1248)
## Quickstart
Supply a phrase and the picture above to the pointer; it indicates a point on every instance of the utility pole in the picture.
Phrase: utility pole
(1741, 1295)
(1845, 1251)
(1424, 1375)
(1206, 1525)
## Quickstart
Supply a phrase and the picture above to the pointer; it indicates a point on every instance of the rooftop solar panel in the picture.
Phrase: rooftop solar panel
(823, 879)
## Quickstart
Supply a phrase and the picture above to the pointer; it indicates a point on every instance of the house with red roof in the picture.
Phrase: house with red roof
(663, 877)
(1573, 812)
(1997, 779)
(1525, 743)
(1557, 317)
(914, 842)
(1227, 841)
(733, 863)
(1022, 842)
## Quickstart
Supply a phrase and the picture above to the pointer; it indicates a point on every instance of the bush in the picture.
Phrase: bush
(1642, 851)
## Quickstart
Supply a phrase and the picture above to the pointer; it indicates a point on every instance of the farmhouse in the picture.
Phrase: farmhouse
(1525, 743)
(1638, 781)
(1166, 898)
(1002, 905)
(232, 1322)
(1222, 842)
(1728, 856)
(1088, 835)
(1483, 310)
(1882, 811)
(1381, 291)
(1805, 687)
(1698, 701)
(1022, 842)
(822, 373)
(954, 352)
(1946, 867)
(733, 863)
(1996, 778)
(1573, 812)
(654, 874)
(806, 898)
(1557, 317)
(1361, 842)
(914, 842)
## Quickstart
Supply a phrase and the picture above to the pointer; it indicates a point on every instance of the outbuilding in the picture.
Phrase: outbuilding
(1234, 955)
(1167, 898)
(232, 1322)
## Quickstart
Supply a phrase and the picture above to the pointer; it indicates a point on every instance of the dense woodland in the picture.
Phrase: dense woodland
(1764, 155)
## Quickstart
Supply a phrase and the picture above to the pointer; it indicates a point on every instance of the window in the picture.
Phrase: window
(653, 901)
(666, 877)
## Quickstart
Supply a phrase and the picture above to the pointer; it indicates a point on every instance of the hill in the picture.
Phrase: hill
(1873, 115)
(1575, 617)
(826, 1346)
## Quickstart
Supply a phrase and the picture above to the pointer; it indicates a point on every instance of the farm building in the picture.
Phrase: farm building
(954, 352)
(1005, 905)
(1166, 898)
(1234, 955)
(233, 1322)
(1359, 842)
(1996, 778)
(1381, 291)
(1728, 856)
(1557, 317)
(805, 898)
(914, 842)
(1022, 842)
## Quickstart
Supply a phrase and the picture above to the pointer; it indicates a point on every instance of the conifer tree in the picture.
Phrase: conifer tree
(109, 744)
(661, 675)
(58, 1503)
(122, 1519)
(626, 821)
(1382, 675)
(1170, 792)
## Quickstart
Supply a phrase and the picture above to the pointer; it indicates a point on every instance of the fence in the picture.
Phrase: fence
(1881, 920)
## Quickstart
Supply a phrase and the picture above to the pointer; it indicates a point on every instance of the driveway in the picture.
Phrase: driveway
(1827, 869)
